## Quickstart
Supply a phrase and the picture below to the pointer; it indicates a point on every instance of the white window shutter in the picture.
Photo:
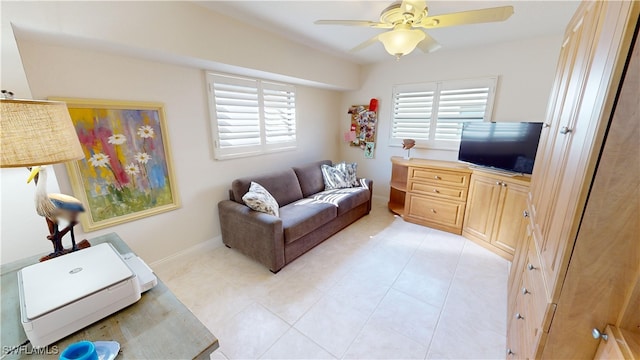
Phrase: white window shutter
(434, 113)
(237, 111)
(457, 107)
(251, 116)
(412, 111)
(279, 113)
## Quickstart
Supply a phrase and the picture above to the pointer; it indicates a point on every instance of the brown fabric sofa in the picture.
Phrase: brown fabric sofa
(308, 214)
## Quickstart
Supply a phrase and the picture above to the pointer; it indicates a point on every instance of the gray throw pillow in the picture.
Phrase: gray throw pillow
(334, 178)
(259, 199)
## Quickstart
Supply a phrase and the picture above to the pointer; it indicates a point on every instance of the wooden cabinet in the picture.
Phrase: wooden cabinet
(618, 344)
(583, 260)
(495, 205)
(435, 192)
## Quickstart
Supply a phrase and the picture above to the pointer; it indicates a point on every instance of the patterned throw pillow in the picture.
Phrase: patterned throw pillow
(259, 199)
(334, 178)
(350, 170)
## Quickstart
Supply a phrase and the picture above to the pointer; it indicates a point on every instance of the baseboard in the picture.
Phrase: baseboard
(203, 246)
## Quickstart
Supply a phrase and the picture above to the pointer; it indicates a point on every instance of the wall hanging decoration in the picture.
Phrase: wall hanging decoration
(364, 120)
(126, 173)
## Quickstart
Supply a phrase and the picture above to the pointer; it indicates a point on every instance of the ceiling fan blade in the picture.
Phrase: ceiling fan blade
(467, 17)
(369, 42)
(372, 24)
(428, 44)
(413, 6)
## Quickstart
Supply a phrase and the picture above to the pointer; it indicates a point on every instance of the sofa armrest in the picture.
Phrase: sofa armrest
(255, 234)
(369, 184)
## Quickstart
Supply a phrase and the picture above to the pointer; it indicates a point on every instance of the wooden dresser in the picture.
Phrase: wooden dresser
(430, 192)
(578, 269)
(484, 206)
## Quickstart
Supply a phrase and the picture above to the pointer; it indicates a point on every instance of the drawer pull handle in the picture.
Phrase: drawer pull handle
(531, 267)
(509, 352)
(546, 125)
(597, 334)
(525, 291)
(437, 177)
(565, 130)
(433, 211)
(525, 214)
(436, 191)
(498, 183)
(519, 317)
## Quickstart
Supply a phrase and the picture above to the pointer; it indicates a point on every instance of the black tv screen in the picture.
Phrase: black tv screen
(508, 146)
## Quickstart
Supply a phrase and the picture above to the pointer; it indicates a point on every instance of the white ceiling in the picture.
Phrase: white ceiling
(294, 20)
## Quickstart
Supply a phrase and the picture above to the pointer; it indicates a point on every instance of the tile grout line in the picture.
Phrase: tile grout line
(324, 294)
(385, 295)
(444, 303)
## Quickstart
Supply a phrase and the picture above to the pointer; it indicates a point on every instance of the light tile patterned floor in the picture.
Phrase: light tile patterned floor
(380, 289)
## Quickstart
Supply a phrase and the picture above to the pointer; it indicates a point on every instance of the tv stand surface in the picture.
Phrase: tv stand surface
(497, 171)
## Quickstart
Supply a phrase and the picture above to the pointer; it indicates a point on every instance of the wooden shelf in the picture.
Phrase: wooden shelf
(396, 208)
(399, 185)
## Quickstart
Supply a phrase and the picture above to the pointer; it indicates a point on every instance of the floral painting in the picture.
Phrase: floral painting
(126, 172)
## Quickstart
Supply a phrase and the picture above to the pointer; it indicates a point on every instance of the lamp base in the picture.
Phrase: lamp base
(81, 245)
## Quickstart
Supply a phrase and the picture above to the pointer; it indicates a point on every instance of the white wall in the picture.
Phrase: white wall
(87, 72)
(526, 71)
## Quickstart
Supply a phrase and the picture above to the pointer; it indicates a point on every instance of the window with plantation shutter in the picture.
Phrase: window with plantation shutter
(251, 116)
(434, 113)
(279, 113)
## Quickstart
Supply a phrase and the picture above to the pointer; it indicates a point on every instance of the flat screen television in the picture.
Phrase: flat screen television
(508, 146)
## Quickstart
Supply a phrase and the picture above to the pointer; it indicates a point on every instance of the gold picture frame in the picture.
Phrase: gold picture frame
(127, 172)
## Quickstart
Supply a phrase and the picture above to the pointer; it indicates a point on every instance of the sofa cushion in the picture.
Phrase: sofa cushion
(259, 199)
(282, 185)
(345, 199)
(303, 216)
(310, 177)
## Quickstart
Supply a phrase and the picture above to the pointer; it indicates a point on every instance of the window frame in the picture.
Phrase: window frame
(437, 87)
(264, 146)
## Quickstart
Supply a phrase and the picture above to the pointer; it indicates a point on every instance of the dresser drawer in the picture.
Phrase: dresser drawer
(439, 177)
(429, 210)
(438, 191)
(534, 290)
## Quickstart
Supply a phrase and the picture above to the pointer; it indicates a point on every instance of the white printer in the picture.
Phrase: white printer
(67, 293)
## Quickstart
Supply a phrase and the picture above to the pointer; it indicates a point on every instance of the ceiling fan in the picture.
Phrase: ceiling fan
(405, 17)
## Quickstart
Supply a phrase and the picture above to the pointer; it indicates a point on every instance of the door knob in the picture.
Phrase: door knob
(565, 130)
(525, 214)
(498, 182)
(597, 334)
(531, 267)
(519, 317)
(509, 352)
(525, 291)
(436, 191)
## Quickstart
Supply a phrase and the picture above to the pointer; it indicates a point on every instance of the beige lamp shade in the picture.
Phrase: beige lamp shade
(401, 40)
(36, 133)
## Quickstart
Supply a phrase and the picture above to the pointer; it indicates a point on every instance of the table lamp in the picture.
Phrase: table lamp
(35, 133)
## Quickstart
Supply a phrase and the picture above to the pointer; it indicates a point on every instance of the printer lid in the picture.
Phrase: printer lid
(54, 283)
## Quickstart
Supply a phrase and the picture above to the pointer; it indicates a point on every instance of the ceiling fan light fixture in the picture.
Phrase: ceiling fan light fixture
(401, 41)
